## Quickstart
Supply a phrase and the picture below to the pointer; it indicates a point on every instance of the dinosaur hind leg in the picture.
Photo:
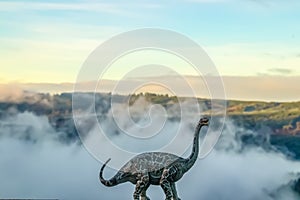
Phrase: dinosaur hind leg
(143, 194)
(173, 188)
(141, 187)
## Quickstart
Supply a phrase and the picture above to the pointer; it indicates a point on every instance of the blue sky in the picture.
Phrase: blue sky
(47, 41)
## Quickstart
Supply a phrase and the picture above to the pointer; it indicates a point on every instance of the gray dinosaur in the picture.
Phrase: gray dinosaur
(156, 168)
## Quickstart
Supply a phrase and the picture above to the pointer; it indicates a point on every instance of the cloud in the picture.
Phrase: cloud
(266, 87)
(21, 5)
(248, 59)
(89, 6)
(27, 126)
(53, 170)
(283, 71)
(210, 1)
(11, 93)
(264, 3)
(272, 3)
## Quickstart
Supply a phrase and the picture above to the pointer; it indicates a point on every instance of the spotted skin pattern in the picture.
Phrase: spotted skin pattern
(155, 168)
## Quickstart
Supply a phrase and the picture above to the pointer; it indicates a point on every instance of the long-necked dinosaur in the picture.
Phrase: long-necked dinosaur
(156, 168)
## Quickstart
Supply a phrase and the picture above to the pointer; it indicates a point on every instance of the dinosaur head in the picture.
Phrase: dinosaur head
(204, 121)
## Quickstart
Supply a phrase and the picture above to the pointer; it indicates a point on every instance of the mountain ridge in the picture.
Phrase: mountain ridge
(276, 123)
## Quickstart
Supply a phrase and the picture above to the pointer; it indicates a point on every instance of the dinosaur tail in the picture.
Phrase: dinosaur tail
(108, 183)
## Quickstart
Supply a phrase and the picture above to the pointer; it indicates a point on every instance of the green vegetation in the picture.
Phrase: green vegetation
(161, 99)
(280, 121)
(281, 118)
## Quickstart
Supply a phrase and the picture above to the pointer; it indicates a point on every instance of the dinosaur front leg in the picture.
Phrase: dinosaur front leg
(141, 187)
(166, 185)
(173, 188)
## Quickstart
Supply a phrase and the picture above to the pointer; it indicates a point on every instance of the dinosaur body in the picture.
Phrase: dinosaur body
(155, 168)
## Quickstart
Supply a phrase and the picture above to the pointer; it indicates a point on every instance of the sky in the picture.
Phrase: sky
(48, 41)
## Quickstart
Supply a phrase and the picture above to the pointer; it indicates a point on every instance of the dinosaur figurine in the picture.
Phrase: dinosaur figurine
(156, 168)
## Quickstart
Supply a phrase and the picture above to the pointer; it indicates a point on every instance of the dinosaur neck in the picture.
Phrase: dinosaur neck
(190, 161)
